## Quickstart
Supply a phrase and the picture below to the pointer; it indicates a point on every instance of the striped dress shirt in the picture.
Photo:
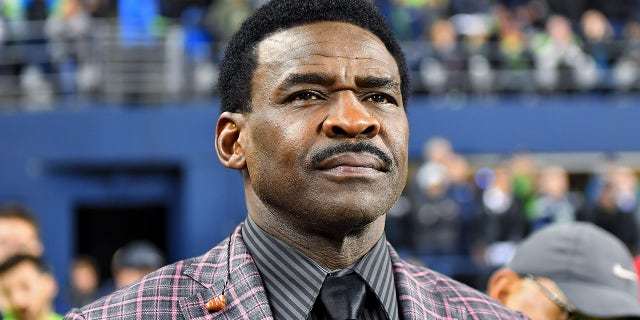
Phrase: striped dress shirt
(292, 280)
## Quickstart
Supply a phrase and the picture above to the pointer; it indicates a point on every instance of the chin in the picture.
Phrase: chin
(350, 222)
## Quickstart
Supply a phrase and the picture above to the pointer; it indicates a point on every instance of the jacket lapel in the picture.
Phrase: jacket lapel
(245, 294)
(416, 298)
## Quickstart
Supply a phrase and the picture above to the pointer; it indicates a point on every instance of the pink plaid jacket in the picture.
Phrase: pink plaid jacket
(180, 291)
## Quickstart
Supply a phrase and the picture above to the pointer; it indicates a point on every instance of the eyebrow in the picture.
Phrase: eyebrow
(377, 82)
(323, 79)
(307, 78)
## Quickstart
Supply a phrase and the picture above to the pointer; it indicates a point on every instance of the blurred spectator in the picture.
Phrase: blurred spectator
(397, 226)
(442, 68)
(599, 43)
(84, 277)
(463, 192)
(131, 262)
(200, 49)
(569, 271)
(435, 219)
(560, 62)
(523, 167)
(26, 55)
(602, 173)
(474, 30)
(224, 17)
(436, 150)
(499, 220)
(407, 19)
(68, 28)
(19, 234)
(19, 231)
(608, 215)
(626, 185)
(30, 288)
(626, 72)
(553, 202)
(512, 55)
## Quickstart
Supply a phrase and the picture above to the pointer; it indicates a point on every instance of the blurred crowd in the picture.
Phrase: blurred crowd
(28, 286)
(60, 47)
(520, 45)
(464, 220)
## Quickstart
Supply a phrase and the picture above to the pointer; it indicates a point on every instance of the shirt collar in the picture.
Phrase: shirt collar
(293, 280)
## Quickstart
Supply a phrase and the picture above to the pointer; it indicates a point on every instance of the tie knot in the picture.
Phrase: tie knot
(343, 296)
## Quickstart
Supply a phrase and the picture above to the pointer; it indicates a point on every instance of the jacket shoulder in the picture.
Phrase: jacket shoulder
(428, 292)
(159, 291)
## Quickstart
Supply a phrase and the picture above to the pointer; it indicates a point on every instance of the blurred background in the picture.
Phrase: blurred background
(524, 113)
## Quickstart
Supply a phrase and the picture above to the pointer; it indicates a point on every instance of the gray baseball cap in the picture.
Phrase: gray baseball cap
(593, 268)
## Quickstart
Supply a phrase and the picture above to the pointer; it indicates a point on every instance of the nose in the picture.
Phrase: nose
(349, 118)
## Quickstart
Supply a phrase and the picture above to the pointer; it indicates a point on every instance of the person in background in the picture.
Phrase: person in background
(19, 234)
(19, 231)
(553, 201)
(499, 221)
(132, 261)
(84, 277)
(29, 287)
(616, 205)
(313, 98)
(572, 270)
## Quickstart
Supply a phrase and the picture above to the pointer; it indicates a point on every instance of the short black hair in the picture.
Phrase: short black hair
(239, 62)
(17, 259)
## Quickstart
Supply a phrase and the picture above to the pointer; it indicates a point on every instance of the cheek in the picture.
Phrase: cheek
(535, 306)
(276, 144)
(397, 136)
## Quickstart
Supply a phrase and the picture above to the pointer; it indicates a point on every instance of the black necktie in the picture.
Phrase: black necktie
(343, 297)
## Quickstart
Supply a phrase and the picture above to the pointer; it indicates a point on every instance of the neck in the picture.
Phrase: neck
(334, 250)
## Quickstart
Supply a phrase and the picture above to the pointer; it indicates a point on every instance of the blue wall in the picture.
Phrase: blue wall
(584, 123)
(49, 159)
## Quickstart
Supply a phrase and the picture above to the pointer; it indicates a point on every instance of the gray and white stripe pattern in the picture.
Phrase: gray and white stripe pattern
(292, 280)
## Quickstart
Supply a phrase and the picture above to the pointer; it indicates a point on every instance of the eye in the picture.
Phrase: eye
(381, 98)
(304, 96)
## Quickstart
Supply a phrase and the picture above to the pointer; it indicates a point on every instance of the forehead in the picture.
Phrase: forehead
(23, 270)
(16, 225)
(327, 43)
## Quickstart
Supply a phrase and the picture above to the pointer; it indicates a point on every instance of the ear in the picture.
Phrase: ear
(502, 284)
(229, 140)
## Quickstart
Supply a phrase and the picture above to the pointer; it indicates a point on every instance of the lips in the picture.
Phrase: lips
(353, 160)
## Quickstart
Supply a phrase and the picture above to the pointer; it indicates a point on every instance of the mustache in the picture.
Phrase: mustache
(353, 148)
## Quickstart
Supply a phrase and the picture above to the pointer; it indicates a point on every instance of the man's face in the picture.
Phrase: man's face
(531, 299)
(29, 292)
(326, 143)
(18, 236)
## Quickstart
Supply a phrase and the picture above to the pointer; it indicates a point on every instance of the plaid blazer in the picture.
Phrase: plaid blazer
(180, 291)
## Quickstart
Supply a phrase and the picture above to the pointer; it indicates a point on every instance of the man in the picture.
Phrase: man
(572, 270)
(30, 288)
(313, 96)
(19, 232)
